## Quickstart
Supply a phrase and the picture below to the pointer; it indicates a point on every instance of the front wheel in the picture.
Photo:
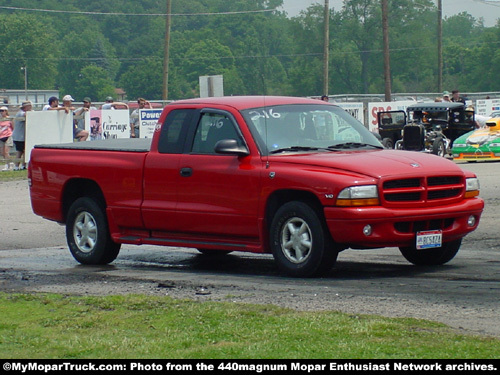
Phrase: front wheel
(438, 147)
(388, 143)
(432, 257)
(88, 235)
(300, 242)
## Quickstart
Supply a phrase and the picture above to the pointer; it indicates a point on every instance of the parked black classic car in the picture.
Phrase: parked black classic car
(429, 127)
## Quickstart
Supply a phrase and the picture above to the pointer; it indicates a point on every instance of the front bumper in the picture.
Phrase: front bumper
(398, 227)
(475, 155)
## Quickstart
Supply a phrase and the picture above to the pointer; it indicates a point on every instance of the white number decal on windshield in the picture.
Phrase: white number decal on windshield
(263, 113)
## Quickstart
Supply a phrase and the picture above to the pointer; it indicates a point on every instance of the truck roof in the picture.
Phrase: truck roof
(245, 102)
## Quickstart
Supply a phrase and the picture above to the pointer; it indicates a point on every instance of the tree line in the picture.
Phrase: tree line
(89, 48)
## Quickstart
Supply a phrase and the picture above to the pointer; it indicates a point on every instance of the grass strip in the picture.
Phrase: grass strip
(13, 175)
(137, 326)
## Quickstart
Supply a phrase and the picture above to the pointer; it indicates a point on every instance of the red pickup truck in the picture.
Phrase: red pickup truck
(295, 177)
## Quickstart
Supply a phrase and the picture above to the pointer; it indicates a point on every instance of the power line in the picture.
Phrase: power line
(135, 14)
(312, 54)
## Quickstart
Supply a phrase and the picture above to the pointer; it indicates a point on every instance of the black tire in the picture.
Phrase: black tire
(438, 147)
(432, 257)
(300, 242)
(388, 143)
(87, 233)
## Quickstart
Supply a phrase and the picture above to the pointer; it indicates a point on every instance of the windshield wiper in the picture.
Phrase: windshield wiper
(294, 148)
(347, 145)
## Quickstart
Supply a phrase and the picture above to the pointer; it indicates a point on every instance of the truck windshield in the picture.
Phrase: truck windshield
(303, 127)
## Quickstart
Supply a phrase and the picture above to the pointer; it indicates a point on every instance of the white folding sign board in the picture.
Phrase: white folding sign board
(148, 118)
(109, 124)
(47, 127)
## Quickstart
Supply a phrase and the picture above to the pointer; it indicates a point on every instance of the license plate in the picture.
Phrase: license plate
(429, 239)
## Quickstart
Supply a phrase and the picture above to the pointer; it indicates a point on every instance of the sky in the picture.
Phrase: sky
(489, 10)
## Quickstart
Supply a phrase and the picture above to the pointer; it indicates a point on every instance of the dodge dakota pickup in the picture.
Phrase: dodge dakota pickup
(295, 177)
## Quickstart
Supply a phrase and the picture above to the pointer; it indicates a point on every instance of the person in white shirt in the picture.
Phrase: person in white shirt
(54, 105)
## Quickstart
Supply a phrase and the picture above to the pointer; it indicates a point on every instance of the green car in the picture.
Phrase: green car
(480, 144)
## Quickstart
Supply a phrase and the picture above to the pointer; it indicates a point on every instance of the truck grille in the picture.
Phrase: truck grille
(413, 137)
(433, 190)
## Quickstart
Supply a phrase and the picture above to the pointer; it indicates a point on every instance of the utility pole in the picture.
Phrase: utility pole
(440, 45)
(167, 50)
(326, 45)
(387, 65)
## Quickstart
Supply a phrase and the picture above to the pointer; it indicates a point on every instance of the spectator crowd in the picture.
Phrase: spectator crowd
(13, 129)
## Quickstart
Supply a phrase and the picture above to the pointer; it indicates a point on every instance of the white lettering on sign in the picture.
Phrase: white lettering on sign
(150, 115)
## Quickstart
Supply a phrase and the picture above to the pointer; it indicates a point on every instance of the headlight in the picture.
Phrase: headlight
(495, 145)
(471, 187)
(366, 195)
(459, 145)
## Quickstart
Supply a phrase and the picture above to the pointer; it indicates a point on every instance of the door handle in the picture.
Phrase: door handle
(186, 172)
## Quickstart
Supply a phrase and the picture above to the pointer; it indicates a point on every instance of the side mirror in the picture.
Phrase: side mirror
(230, 147)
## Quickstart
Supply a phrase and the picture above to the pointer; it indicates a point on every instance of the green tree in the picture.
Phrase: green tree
(361, 21)
(103, 56)
(145, 79)
(93, 81)
(27, 41)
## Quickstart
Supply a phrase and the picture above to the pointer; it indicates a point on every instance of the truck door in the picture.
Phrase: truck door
(161, 171)
(218, 194)
(390, 124)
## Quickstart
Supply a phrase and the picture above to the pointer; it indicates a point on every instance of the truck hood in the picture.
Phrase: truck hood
(374, 163)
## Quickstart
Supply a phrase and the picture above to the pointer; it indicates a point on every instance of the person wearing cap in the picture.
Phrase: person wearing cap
(108, 104)
(479, 120)
(6, 129)
(134, 117)
(54, 105)
(78, 133)
(111, 104)
(87, 106)
(446, 96)
(19, 133)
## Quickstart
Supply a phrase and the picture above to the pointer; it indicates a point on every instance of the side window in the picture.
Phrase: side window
(174, 130)
(212, 128)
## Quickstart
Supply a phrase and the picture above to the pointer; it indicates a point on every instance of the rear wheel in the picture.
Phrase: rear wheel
(300, 242)
(432, 257)
(87, 233)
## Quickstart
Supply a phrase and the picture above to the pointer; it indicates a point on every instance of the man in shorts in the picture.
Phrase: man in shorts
(19, 133)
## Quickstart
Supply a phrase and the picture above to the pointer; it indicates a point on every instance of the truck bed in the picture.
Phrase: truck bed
(125, 144)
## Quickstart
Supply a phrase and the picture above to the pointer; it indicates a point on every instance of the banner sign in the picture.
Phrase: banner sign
(486, 107)
(148, 118)
(354, 109)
